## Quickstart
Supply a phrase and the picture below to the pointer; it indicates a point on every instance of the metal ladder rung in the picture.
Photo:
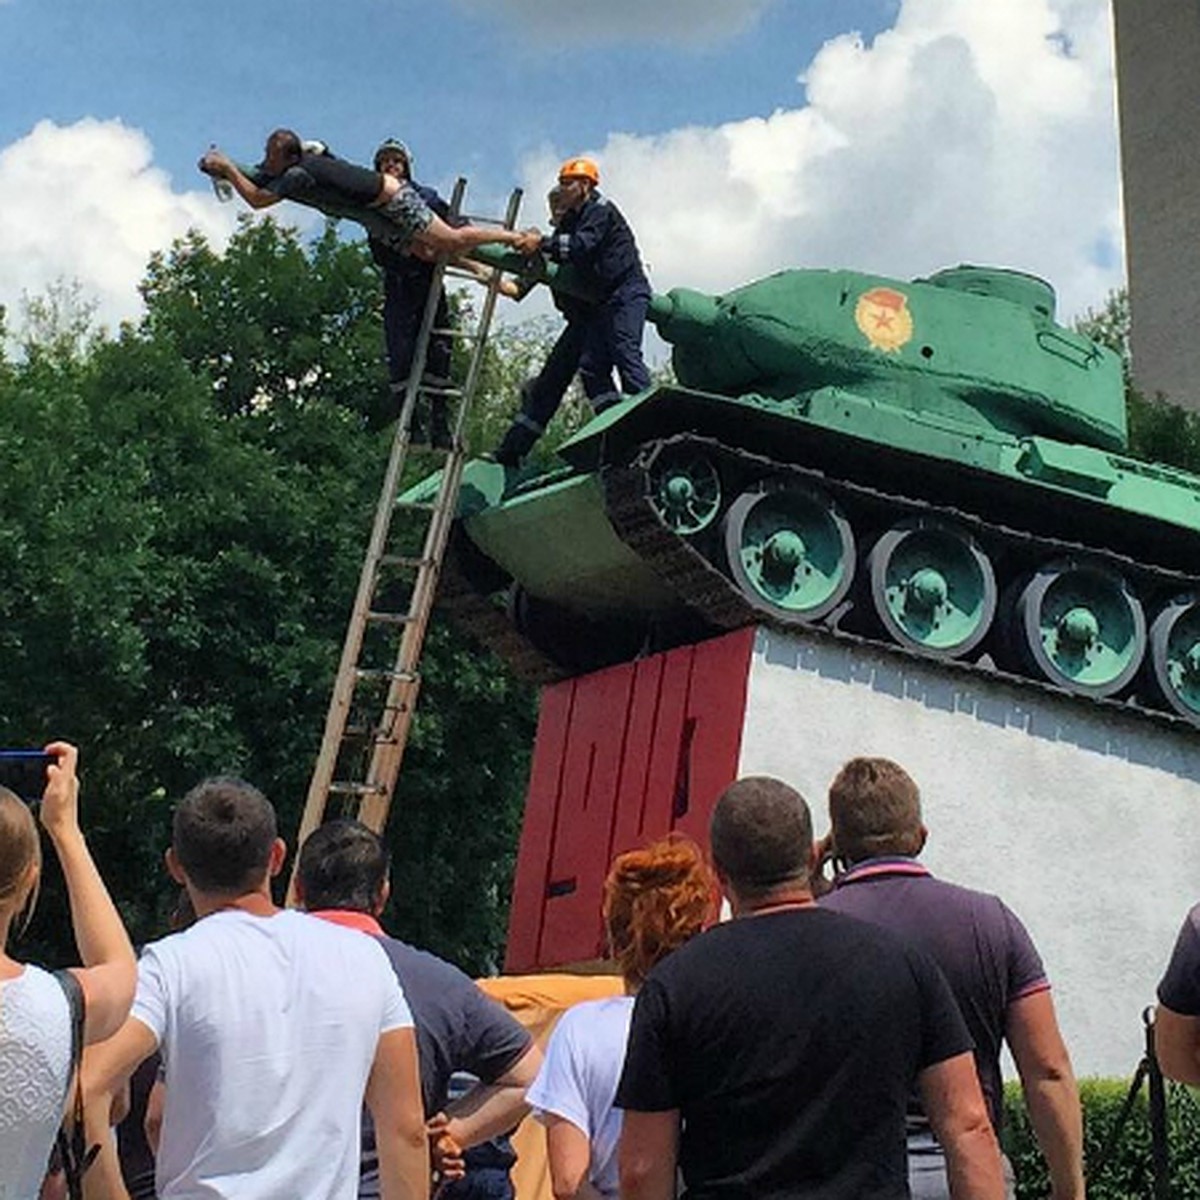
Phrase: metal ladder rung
(345, 788)
(369, 673)
(458, 335)
(387, 618)
(490, 222)
(409, 561)
(462, 273)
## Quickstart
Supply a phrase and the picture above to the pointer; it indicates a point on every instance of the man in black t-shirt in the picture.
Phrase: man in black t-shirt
(387, 208)
(773, 1056)
(1177, 1018)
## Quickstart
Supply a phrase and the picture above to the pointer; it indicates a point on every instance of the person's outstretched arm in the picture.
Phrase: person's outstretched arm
(106, 1069)
(109, 972)
(647, 1155)
(489, 1109)
(221, 166)
(1177, 1018)
(570, 1156)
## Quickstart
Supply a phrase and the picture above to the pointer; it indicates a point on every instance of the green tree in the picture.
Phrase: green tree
(1160, 430)
(60, 322)
(183, 512)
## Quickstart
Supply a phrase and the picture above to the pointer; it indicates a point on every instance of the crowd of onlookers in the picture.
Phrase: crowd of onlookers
(835, 1039)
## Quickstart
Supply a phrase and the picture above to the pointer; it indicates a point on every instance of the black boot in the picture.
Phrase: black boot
(386, 409)
(515, 444)
(440, 436)
(605, 400)
(417, 434)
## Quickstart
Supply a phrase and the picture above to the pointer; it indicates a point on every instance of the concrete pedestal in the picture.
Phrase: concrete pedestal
(1083, 820)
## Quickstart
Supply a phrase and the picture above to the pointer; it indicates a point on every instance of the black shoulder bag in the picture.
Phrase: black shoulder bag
(71, 1148)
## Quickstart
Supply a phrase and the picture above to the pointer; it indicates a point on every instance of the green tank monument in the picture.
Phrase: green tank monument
(935, 464)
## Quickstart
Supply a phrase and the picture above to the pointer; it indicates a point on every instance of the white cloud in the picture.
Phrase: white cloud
(85, 202)
(969, 132)
(695, 21)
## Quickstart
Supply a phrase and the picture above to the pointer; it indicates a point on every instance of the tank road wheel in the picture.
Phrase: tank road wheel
(790, 551)
(685, 490)
(1175, 655)
(932, 587)
(1082, 627)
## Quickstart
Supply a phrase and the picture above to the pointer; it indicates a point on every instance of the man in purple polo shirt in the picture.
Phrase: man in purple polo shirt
(983, 950)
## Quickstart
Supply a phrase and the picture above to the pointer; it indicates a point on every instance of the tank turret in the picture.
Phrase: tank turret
(934, 464)
(978, 345)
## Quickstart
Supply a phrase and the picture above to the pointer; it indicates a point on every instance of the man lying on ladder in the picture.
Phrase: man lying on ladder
(409, 227)
(383, 205)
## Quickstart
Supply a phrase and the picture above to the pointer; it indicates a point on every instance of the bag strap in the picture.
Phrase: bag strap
(76, 1155)
(78, 1005)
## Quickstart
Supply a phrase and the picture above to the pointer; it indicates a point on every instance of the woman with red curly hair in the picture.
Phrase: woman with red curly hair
(654, 901)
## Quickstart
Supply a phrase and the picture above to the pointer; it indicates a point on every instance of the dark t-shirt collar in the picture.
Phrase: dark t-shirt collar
(874, 868)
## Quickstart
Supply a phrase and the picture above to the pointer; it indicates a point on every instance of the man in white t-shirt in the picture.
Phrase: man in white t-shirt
(273, 1027)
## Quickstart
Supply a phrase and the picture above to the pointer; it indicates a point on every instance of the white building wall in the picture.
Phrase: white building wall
(1084, 821)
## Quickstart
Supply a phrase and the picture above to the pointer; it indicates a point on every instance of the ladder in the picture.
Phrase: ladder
(378, 677)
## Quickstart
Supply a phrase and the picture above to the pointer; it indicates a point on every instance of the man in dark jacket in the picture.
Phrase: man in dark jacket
(406, 282)
(595, 239)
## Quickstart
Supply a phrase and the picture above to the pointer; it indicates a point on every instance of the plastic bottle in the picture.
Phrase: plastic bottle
(222, 187)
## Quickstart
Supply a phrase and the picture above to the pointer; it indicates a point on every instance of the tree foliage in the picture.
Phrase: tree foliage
(183, 513)
(1160, 430)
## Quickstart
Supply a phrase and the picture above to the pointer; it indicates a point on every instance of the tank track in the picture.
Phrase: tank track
(714, 597)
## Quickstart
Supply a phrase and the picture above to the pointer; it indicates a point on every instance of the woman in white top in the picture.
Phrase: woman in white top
(35, 1019)
(654, 901)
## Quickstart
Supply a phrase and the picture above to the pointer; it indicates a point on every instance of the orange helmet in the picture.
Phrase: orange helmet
(579, 168)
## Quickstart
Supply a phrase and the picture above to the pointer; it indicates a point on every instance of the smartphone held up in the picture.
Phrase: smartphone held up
(23, 772)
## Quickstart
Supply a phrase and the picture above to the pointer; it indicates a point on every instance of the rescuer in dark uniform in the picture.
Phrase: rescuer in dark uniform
(406, 283)
(595, 239)
(541, 396)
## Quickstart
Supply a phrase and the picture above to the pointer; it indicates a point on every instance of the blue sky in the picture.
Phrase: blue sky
(739, 136)
(470, 91)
